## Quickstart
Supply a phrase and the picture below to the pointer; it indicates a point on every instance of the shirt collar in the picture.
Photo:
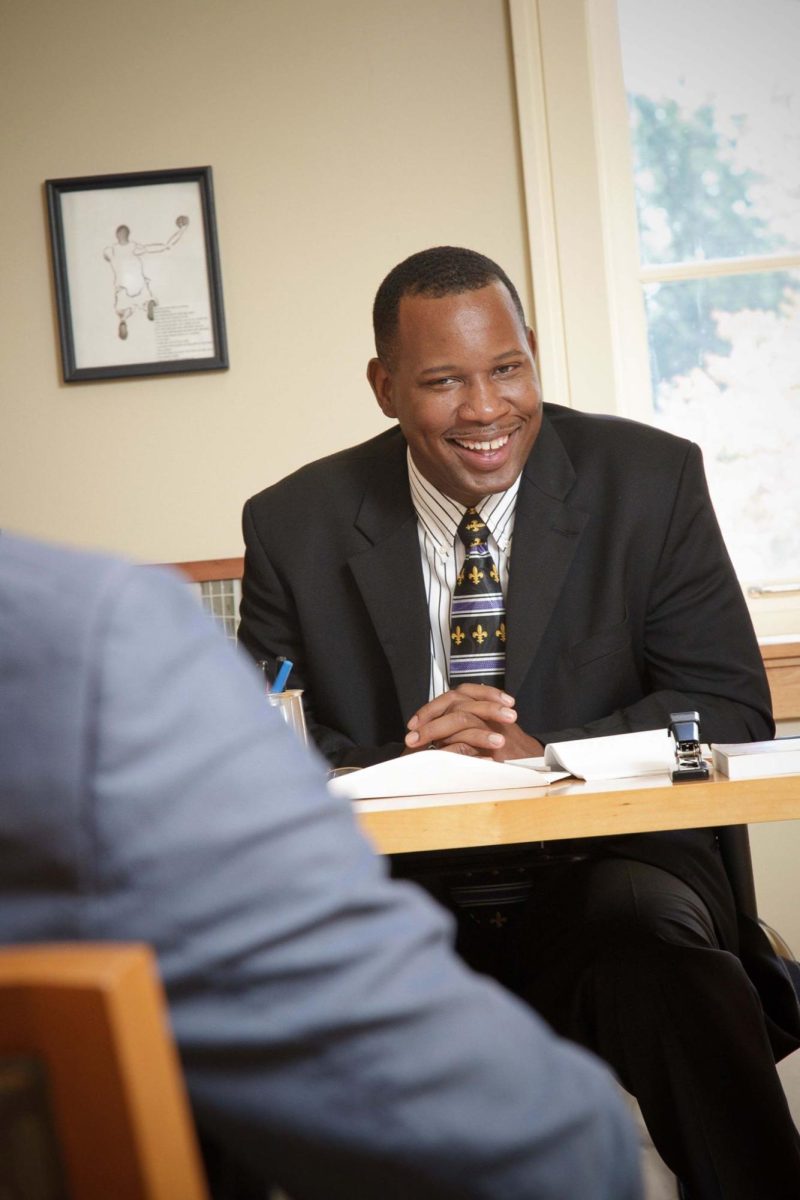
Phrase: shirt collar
(440, 516)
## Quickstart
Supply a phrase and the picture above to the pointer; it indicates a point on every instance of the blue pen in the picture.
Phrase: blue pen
(283, 675)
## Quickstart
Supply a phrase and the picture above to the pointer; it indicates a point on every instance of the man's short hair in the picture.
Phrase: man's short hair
(440, 271)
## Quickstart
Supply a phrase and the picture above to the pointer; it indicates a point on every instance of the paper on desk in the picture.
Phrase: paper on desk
(434, 771)
(618, 756)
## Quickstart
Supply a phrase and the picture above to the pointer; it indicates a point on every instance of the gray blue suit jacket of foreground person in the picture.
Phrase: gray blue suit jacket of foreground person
(331, 1040)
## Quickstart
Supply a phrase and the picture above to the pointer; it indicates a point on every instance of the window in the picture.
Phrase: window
(661, 162)
(714, 105)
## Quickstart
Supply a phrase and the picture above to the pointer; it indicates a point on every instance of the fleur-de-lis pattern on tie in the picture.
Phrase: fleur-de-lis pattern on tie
(477, 614)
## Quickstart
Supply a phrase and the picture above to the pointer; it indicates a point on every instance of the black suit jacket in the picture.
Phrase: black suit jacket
(622, 603)
(622, 607)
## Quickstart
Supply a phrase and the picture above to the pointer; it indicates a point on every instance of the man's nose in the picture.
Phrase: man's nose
(482, 400)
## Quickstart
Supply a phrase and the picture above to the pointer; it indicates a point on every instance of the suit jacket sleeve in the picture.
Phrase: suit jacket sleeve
(270, 626)
(695, 643)
(330, 1037)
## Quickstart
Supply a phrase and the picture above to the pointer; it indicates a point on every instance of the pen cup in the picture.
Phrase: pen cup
(290, 706)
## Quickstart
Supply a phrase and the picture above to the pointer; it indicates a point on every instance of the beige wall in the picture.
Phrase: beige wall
(343, 136)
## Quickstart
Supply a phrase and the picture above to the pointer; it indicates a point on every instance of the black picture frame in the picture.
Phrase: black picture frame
(137, 274)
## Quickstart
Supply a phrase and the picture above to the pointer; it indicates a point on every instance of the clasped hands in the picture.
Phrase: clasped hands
(472, 719)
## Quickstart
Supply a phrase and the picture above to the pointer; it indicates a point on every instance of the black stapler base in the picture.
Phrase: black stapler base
(689, 774)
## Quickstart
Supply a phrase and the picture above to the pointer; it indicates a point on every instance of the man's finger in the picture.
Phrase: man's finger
(456, 726)
(468, 696)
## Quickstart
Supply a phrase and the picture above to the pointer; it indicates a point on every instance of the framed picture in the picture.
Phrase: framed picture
(137, 275)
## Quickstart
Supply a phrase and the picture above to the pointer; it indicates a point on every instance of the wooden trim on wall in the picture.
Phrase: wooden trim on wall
(782, 660)
(205, 570)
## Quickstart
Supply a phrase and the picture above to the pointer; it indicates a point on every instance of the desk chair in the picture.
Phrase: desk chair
(92, 1101)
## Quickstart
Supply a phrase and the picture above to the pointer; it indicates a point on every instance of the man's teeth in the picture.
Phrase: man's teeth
(495, 444)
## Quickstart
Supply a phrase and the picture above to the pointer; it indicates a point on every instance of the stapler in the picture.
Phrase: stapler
(689, 765)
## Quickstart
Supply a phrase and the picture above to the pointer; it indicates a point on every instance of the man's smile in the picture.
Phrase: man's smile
(483, 443)
(488, 450)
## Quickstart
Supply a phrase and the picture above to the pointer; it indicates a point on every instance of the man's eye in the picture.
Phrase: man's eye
(506, 368)
(442, 381)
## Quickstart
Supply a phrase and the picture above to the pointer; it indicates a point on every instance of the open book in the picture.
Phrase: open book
(433, 772)
(618, 756)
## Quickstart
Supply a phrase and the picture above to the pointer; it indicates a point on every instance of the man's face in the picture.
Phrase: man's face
(464, 387)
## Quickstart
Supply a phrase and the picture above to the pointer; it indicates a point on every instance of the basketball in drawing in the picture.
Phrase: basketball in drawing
(181, 222)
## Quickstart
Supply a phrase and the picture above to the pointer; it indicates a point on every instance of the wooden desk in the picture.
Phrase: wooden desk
(572, 809)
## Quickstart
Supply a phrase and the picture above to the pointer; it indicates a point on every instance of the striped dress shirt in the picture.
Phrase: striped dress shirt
(442, 553)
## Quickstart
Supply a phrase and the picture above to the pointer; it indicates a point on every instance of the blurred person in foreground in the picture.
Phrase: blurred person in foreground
(332, 1041)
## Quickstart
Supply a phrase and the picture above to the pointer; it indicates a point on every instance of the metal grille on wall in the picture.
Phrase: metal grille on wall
(221, 597)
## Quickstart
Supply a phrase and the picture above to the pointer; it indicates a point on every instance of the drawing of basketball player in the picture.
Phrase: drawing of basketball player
(131, 284)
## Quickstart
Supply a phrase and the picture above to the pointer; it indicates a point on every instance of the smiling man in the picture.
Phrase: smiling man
(492, 574)
(457, 372)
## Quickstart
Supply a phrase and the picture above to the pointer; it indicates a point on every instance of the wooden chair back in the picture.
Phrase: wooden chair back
(92, 1020)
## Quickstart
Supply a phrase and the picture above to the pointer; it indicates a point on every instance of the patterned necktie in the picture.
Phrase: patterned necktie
(477, 613)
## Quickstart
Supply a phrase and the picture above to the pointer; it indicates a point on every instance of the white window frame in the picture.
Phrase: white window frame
(578, 182)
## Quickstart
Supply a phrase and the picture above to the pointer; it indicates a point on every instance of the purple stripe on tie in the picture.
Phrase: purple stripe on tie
(465, 671)
(488, 656)
(477, 664)
(493, 599)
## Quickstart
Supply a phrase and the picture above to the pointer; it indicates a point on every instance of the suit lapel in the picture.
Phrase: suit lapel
(389, 577)
(546, 535)
(388, 572)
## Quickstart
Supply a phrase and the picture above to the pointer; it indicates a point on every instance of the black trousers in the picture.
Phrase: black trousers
(623, 957)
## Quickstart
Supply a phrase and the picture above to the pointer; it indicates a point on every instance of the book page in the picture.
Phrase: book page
(618, 756)
(431, 772)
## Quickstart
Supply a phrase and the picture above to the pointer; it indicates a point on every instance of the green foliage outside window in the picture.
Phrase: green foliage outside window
(694, 203)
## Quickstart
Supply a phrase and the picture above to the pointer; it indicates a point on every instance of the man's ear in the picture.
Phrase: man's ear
(380, 380)
(532, 341)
